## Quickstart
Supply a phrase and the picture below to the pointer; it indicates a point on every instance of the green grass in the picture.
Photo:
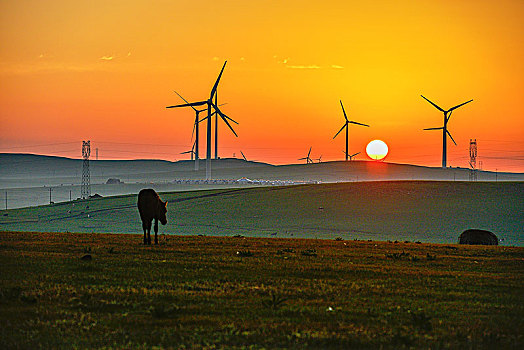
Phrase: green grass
(425, 211)
(198, 292)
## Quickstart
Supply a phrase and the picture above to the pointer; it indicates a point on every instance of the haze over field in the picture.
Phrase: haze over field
(105, 72)
(29, 180)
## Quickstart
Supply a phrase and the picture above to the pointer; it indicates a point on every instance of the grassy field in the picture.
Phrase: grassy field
(235, 292)
(425, 211)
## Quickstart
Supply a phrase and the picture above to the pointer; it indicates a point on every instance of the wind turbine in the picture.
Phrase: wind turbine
(346, 126)
(192, 151)
(307, 159)
(444, 128)
(195, 131)
(210, 104)
(319, 159)
(351, 155)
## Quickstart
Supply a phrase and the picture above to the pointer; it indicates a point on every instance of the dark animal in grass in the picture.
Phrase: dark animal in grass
(150, 207)
(474, 236)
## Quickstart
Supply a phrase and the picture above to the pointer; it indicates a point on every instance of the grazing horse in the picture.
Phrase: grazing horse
(151, 207)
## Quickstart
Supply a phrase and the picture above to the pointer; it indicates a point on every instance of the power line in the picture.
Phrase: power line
(41, 145)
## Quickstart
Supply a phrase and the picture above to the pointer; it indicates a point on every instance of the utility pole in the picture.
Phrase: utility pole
(5, 200)
(50, 199)
(85, 190)
(70, 195)
(97, 153)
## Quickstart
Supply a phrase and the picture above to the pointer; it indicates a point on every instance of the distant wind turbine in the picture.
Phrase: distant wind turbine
(210, 104)
(307, 158)
(192, 151)
(444, 128)
(195, 131)
(346, 126)
(351, 155)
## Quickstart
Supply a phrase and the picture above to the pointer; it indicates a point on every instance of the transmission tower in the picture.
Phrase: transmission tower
(86, 178)
(473, 159)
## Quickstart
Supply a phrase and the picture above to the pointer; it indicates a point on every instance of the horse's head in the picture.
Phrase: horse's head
(162, 212)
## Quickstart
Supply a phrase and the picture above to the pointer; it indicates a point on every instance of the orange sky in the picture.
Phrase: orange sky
(105, 72)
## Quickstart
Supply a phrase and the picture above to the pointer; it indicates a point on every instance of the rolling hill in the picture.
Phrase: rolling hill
(426, 211)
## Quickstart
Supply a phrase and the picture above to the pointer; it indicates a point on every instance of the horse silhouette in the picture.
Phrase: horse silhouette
(150, 207)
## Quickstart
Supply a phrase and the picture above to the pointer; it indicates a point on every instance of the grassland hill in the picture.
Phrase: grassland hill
(426, 211)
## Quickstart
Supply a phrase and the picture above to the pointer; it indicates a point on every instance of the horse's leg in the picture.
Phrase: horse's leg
(149, 231)
(156, 231)
(144, 227)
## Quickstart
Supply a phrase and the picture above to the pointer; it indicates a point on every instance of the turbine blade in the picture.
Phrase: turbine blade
(355, 154)
(449, 116)
(221, 113)
(437, 107)
(186, 152)
(308, 153)
(201, 103)
(243, 156)
(234, 121)
(457, 106)
(344, 111)
(225, 118)
(440, 128)
(214, 89)
(184, 99)
(447, 132)
(301, 158)
(352, 122)
(342, 128)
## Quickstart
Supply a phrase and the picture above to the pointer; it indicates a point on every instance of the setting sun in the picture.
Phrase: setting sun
(377, 150)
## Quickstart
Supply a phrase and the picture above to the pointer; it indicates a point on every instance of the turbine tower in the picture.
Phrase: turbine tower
(210, 104)
(346, 126)
(444, 128)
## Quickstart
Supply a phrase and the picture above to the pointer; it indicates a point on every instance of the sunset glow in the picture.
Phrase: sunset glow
(105, 71)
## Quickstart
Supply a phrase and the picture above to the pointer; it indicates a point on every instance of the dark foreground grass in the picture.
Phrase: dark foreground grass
(235, 292)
